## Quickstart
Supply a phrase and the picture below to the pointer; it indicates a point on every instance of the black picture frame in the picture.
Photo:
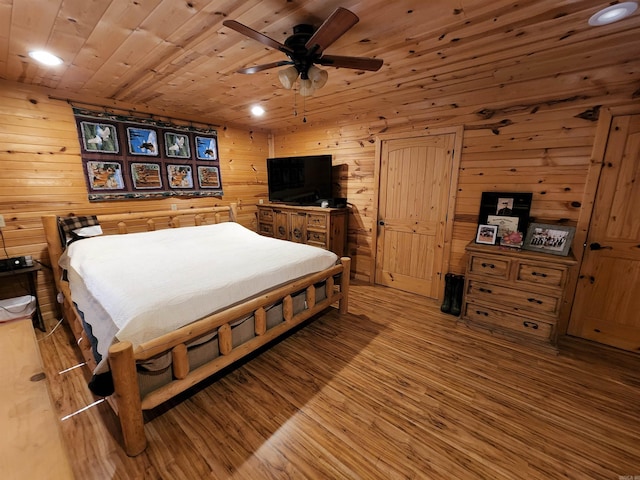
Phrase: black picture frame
(507, 204)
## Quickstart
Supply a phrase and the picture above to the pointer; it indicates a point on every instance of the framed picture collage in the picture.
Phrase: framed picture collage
(129, 157)
(504, 221)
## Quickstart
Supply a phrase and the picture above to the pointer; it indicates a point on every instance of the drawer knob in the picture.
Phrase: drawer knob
(533, 325)
(485, 290)
(488, 265)
(534, 300)
(536, 274)
(480, 312)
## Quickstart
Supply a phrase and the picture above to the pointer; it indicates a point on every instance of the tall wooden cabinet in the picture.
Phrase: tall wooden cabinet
(320, 227)
(515, 292)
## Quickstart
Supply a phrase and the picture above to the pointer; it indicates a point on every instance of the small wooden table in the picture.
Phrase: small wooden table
(31, 445)
(32, 275)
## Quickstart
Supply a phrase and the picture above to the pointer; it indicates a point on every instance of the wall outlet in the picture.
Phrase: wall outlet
(260, 201)
(174, 206)
(2, 224)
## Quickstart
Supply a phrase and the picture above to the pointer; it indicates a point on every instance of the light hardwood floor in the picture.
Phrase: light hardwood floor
(395, 389)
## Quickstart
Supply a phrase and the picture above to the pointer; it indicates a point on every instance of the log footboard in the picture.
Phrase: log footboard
(123, 357)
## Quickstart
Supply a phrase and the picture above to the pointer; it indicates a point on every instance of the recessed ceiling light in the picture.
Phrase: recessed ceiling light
(45, 58)
(257, 110)
(613, 13)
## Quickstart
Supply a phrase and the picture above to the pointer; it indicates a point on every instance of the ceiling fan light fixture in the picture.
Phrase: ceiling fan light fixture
(288, 77)
(318, 77)
(306, 87)
(613, 13)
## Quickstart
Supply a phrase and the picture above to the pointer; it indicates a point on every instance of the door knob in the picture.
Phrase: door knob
(381, 223)
(597, 246)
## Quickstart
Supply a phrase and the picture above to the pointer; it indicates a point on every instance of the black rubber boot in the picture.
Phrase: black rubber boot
(448, 293)
(456, 297)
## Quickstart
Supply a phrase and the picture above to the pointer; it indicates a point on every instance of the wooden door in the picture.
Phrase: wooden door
(606, 306)
(415, 182)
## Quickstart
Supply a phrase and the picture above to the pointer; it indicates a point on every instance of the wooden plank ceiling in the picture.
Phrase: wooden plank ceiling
(175, 56)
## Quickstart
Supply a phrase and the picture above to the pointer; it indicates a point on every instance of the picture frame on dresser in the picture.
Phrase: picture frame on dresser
(505, 209)
(547, 238)
(487, 234)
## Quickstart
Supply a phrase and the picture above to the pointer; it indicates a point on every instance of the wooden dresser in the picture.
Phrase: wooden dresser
(320, 227)
(515, 292)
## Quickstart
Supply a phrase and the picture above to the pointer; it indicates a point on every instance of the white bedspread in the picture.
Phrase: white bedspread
(139, 286)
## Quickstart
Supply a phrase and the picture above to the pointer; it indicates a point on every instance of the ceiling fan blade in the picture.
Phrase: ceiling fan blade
(251, 33)
(358, 63)
(333, 28)
(266, 66)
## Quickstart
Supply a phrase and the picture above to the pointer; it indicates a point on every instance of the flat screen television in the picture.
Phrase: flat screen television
(301, 180)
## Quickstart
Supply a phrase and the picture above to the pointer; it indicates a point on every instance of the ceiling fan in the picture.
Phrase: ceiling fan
(305, 48)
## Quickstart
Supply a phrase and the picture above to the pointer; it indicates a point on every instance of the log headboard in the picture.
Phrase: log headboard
(121, 223)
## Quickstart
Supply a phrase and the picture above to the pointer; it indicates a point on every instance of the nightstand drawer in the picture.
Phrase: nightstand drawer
(314, 220)
(532, 273)
(491, 266)
(512, 298)
(503, 320)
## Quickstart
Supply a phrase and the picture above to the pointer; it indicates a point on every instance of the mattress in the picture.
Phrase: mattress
(140, 286)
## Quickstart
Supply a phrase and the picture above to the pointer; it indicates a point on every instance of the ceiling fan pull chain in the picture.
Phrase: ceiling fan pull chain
(304, 109)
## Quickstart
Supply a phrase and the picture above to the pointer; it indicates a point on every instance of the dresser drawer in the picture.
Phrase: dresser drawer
(317, 220)
(265, 215)
(540, 275)
(491, 266)
(266, 229)
(506, 321)
(515, 299)
(317, 238)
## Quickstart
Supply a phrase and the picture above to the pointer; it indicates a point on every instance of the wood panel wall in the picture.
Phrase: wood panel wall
(41, 172)
(542, 145)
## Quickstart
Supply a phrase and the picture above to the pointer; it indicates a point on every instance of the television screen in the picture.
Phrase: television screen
(303, 180)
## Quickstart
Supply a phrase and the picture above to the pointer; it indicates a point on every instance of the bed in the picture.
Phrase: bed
(182, 296)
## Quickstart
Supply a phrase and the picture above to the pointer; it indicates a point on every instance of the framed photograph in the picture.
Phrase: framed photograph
(142, 141)
(146, 176)
(180, 176)
(506, 204)
(105, 175)
(553, 239)
(208, 177)
(99, 137)
(177, 145)
(206, 148)
(487, 234)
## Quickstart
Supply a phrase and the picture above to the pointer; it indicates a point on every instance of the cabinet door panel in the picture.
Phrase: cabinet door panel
(281, 222)
(298, 231)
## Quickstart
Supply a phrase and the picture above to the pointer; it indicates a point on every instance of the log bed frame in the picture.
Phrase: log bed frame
(127, 401)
